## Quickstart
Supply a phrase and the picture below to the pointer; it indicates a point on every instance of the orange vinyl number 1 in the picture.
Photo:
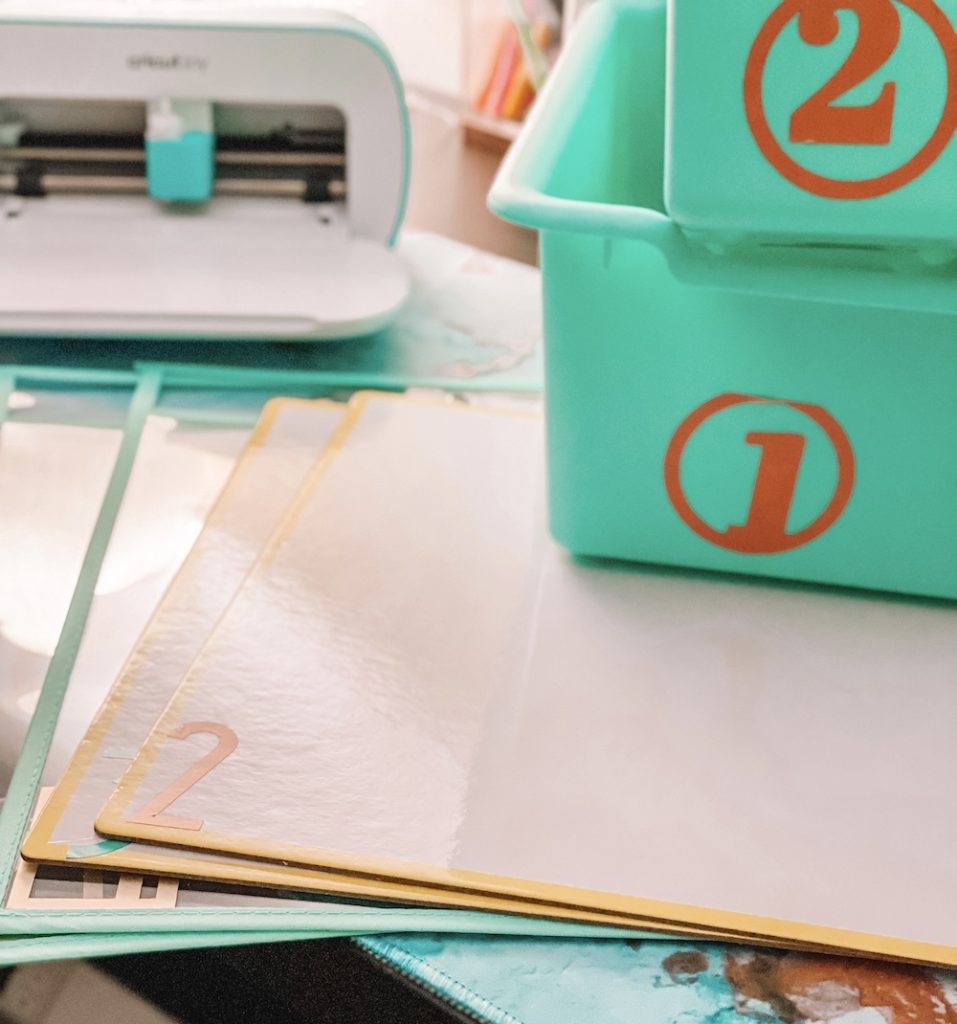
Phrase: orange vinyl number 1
(766, 526)
(152, 813)
(878, 33)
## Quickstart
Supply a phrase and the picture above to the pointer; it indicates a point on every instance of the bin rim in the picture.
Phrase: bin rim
(517, 195)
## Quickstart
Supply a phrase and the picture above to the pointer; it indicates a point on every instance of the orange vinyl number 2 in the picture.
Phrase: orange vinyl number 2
(878, 33)
(822, 119)
(152, 813)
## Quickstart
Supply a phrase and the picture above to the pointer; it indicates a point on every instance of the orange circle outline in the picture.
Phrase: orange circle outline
(836, 188)
(821, 417)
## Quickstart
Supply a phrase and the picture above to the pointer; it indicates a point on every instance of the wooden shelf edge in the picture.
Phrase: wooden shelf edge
(492, 133)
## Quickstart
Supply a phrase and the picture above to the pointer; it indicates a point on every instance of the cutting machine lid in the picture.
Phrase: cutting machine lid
(230, 267)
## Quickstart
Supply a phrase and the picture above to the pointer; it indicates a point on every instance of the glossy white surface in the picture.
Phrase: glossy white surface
(358, 661)
(769, 750)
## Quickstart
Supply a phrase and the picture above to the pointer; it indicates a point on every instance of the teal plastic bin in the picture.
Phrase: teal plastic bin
(782, 411)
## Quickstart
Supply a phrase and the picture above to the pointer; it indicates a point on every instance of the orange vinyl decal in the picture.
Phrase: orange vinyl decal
(764, 532)
(819, 119)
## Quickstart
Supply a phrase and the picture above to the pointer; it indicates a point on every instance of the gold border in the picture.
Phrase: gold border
(745, 927)
(129, 888)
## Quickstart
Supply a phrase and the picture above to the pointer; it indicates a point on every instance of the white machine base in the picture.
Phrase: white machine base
(233, 269)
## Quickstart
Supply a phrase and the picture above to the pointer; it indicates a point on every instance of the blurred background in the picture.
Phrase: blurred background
(471, 70)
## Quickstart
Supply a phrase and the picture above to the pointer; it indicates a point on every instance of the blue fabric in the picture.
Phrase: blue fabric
(652, 981)
(560, 982)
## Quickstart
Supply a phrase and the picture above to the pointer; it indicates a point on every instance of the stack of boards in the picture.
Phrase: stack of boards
(376, 678)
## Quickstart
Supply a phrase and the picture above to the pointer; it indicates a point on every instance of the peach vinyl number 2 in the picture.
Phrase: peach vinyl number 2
(152, 813)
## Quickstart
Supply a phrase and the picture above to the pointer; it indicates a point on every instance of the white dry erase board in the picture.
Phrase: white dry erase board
(460, 705)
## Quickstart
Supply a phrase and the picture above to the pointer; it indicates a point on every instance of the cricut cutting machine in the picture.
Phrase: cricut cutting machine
(180, 169)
